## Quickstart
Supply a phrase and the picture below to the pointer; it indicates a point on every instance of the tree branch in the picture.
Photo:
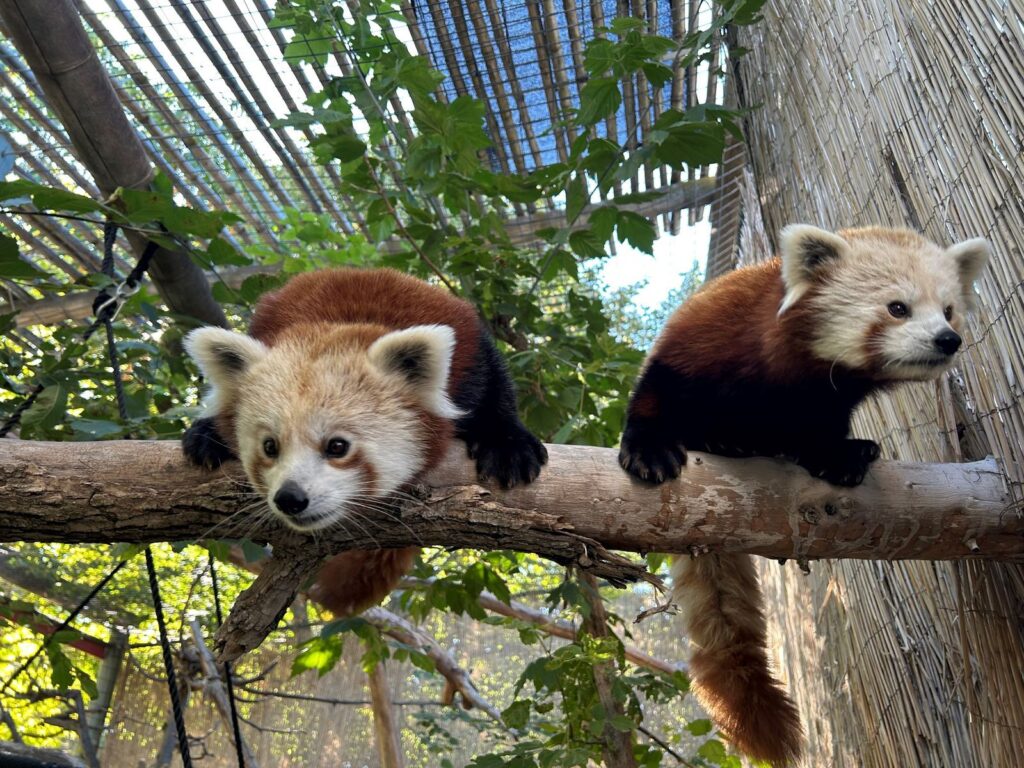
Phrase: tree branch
(581, 506)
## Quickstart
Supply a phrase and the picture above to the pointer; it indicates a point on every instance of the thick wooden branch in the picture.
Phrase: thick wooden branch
(582, 506)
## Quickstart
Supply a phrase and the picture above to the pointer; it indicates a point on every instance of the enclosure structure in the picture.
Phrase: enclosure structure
(899, 113)
(906, 114)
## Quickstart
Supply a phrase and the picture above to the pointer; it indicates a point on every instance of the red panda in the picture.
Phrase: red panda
(772, 360)
(351, 384)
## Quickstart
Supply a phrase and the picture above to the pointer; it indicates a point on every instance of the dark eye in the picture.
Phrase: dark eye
(336, 448)
(270, 448)
(948, 312)
(899, 309)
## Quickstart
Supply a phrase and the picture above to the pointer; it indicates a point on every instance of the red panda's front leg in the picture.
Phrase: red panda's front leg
(203, 445)
(845, 462)
(503, 448)
(658, 425)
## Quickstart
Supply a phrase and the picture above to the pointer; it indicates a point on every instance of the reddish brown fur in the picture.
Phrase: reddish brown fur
(371, 303)
(369, 297)
(353, 581)
(721, 603)
(698, 340)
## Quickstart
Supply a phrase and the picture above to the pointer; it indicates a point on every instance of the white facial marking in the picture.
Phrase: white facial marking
(851, 293)
(302, 400)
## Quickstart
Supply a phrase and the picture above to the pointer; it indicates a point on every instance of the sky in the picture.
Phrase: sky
(673, 254)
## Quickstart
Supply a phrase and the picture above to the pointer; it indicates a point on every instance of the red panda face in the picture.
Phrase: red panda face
(330, 420)
(887, 303)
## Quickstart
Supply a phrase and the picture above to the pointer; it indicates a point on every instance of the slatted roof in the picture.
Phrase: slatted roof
(204, 81)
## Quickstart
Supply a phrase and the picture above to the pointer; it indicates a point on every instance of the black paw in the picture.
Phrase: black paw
(512, 457)
(846, 464)
(650, 455)
(203, 446)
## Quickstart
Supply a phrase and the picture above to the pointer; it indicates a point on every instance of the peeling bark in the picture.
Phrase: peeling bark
(582, 506)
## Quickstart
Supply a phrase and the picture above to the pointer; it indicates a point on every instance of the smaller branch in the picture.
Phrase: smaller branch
(328, 700)
(555, 627)
(6, 719)
(661, 743)
(268, 729)
(214, 686)
(259, 609)
(384, 721)
(404, 631)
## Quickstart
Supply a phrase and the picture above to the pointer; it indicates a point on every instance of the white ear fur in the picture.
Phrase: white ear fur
(804, 250)
(422, 355)
(971, 257)
(223, 356)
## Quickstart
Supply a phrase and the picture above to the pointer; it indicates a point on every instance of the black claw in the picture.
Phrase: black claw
(203, 445)
(651, 458)
(511, 460)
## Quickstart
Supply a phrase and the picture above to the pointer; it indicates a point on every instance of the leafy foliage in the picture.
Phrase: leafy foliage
(430, 202)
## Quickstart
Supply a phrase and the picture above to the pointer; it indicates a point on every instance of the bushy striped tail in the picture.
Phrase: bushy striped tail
(721, 604)
(353, 581)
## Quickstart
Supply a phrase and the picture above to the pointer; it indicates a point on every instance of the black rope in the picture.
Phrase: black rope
(108, 302)
(64, 624)
(227, 669)
(106, 307)
(15, 418)
(165, 646)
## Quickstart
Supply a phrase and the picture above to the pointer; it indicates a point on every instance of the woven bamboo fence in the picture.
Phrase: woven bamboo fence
(912, 114)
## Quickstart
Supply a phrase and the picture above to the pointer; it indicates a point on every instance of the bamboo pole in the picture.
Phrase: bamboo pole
(51, 38)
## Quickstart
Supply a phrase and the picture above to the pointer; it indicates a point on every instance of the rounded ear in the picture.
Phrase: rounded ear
(971, 257)
(422, 357)
(223, 356)
(805, 250)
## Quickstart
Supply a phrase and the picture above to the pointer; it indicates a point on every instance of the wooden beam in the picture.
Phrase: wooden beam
(522, 231)
(53, 41)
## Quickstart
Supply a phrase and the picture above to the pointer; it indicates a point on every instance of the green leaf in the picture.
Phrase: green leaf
(62, 200)
(348, 624)
(517, 714)
(602, 222)
(692, 144)
(95, 429)
(600, 56)
(220, 252)
(65, 636)
(622, 723)
(12, 267)
(252, 551)
(657, 74)
(315, 49)
(585, 243)
(700, 727)
(635, 230)
(713, 751)
(86, 683)
(620, 25)
(320, 654)
(187, 221)
(16, 191)
(61, 668)
(576, 197)
(48, 409)
(599, 98)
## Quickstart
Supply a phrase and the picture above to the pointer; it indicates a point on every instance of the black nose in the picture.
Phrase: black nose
(291, 499)
(948, 342)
